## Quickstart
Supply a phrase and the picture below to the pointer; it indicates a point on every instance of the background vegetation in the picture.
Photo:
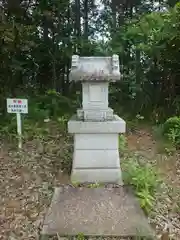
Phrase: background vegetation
(38, 38)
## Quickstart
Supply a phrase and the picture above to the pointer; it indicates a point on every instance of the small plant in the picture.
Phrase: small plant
(62, 120)
(80, 236)
(122, 143)
(139, 117)
(146, 199)
(75, 184)
(144, 179)
(94, 185)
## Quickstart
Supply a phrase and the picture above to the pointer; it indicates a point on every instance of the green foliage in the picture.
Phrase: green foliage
(171, 123)
(75, 183)
(50, 105)
(149, 49)
(171, 130)
(80, 236)
(122, 143)
(94, 185)
(144, 179)
(42, 109)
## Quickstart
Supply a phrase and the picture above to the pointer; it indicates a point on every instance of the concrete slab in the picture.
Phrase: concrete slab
(105, 212)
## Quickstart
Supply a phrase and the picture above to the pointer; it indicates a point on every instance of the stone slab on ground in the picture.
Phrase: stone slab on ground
(106, 211)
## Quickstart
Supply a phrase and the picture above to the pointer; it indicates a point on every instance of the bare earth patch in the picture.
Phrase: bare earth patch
(27, 180)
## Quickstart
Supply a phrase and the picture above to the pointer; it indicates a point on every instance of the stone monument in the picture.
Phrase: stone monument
(110, 210)
(95, 127)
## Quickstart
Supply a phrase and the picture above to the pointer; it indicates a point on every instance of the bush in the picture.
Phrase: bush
(171, 130)
(50, 105)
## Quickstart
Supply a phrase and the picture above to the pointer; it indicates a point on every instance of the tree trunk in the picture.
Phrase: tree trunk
(78, 24)
(86, 19)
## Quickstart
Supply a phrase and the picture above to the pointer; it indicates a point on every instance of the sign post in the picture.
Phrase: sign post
(18, 106)
(19, 129)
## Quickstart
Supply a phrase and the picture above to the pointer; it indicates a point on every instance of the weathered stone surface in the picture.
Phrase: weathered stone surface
(95, 127)
(117, 125)
(100, 158)
(95, 95)
(96, 150)
(96, 158)
(101, 141)
(95, 212)
(95, 115)
(100, 175)
(91, 69)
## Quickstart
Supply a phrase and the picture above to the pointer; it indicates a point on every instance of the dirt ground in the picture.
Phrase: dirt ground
(27, 179)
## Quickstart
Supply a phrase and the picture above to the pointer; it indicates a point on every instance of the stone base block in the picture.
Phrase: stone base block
(88, 159)
(96, 158)
(97, 175)
(96, 165)
(94, 141)
(96, 212)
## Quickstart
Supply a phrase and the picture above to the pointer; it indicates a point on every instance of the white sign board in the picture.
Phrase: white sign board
(18, 106)
(15, 105)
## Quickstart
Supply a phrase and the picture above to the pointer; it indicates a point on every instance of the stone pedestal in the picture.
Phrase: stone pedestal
(95, 127)
(96, 150)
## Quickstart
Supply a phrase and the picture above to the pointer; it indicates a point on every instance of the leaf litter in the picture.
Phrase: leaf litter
(27, 179)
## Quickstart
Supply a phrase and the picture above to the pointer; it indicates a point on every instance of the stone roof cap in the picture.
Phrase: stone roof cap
(95, 69)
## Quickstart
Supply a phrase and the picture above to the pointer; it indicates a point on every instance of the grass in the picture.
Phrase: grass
(144, 179)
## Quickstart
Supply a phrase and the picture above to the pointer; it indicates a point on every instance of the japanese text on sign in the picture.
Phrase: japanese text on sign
(17, 105)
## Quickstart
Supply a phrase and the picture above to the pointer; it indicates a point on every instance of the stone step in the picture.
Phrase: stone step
(96, 212)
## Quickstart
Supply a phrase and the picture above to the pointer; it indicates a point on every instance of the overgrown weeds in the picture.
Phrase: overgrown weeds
(144, 179)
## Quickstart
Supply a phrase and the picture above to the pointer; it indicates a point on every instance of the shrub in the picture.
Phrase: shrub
(50, 105)
(171, 130)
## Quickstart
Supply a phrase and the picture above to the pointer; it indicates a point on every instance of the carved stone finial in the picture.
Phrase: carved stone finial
(75, 61)
(115, 62)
